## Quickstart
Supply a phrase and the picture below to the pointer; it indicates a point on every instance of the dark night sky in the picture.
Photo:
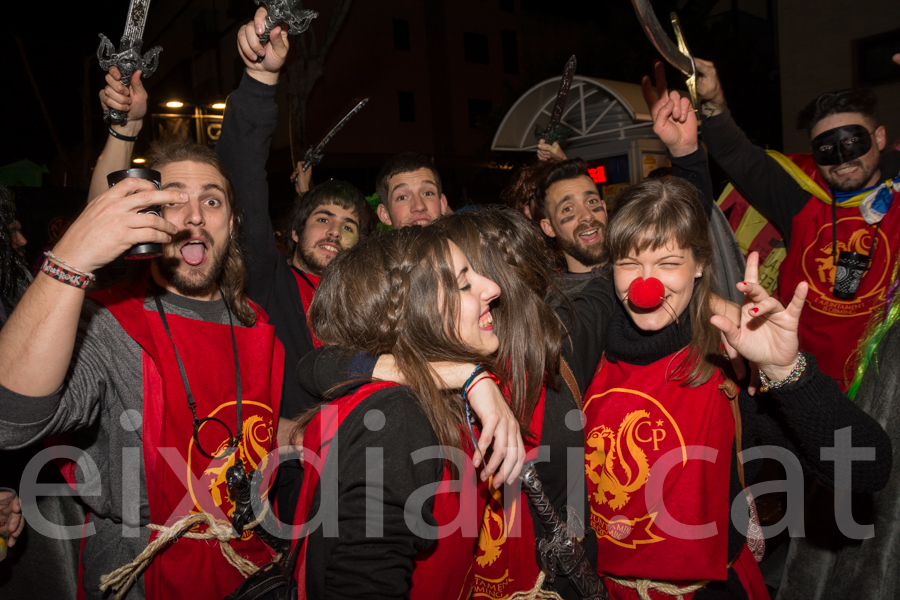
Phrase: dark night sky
(67, 35)
(56, 49)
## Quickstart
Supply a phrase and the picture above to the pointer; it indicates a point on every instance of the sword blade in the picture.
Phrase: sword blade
(314, 156)
(563, 93)
(136, 21)
(660, 39)
(340, 124)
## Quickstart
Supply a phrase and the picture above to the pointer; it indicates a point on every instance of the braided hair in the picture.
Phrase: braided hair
(397, 293)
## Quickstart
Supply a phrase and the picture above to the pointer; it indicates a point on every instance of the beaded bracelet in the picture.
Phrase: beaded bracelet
(122, 136)
(793, 376)
(479, 369)
(49, 254)
(60, 273)
(470, 383)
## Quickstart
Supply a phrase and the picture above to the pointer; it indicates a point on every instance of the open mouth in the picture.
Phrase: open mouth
(589, 236)
(486, 322)
(329, 248)
(194, 252)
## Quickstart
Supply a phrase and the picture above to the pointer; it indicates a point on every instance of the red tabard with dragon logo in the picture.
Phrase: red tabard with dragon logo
(827, 319)
(645, 457)
(505, 561)
(307, 284)
(180, 480)
(444, 571)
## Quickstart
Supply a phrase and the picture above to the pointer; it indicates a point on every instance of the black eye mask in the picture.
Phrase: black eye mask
(841, 145)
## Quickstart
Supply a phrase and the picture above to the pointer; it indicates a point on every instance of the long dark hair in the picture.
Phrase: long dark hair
(12, 267)
(650, 215)
(397, 294)
(502, 245)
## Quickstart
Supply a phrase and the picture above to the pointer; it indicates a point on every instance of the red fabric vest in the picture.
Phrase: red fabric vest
(445, 570)
(179, 479)
(307, 292)
(505, 561)
(831, 328)
(644, 457)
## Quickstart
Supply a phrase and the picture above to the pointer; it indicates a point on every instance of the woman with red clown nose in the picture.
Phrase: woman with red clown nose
(665, 420)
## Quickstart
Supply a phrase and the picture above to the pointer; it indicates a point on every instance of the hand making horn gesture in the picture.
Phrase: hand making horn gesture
(674, 120)
(767, 332)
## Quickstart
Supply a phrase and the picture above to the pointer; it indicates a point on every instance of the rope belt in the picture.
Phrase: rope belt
(643, 587)
(124, 577)
(536, 593)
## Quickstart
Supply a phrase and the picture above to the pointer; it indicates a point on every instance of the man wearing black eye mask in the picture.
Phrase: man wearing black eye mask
(833, 207)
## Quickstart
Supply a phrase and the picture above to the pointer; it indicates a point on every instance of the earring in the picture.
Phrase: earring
(700, 274)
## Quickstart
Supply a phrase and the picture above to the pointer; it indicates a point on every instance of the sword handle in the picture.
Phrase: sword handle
(264, 39)
(115, 117)
(312, 158)
(534, 489)
(557, 553)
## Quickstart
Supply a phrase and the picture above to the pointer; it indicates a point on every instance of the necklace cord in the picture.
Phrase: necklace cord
(192, 405)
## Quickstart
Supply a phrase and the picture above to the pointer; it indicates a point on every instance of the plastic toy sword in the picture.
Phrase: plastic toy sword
(282, 11)
(314, 156)
(554, 131)
(676, 55)
(128, 59)
(560, 552)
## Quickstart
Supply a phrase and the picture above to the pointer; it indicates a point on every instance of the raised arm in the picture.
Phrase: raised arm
(757, 176)
(36, 343)
(302, 180)
(118, 151)
(247, 127)
(675, 122)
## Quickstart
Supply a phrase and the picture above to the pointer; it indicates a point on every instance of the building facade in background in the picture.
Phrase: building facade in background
(828, 45)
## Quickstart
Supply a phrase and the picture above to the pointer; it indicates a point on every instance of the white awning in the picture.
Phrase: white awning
(596, 110)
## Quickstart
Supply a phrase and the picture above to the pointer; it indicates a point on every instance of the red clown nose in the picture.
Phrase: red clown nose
(646, 293)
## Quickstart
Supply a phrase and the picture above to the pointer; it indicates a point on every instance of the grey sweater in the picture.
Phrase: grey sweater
(101, 403)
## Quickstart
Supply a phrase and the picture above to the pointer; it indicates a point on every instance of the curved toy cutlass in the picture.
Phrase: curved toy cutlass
(676, 55)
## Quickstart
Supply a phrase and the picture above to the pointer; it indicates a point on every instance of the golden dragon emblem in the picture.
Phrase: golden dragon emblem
(252, 450)
(490, 547)
(609, 456)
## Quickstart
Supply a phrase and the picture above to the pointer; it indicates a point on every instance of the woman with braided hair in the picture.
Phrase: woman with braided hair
(389, 512)
(533, 340)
